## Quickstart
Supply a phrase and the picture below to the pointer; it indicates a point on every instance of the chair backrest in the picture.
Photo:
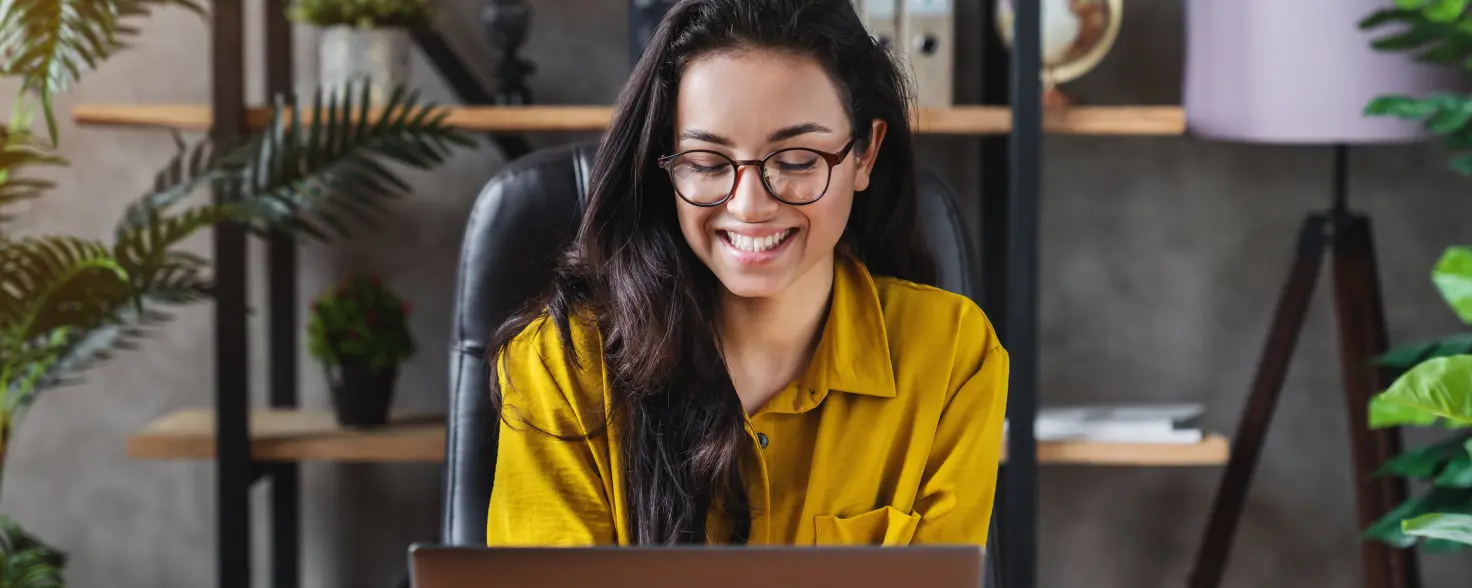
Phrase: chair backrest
(522, 219)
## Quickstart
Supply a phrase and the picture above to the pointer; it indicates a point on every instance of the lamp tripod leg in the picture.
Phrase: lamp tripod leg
(1362, 336)
(1257, 414)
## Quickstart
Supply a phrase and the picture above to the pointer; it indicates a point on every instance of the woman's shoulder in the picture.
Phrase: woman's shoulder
(931, 309)
(554, 370)
(925, 323)
(940, 333)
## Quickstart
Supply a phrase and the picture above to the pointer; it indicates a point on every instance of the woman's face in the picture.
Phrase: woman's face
(746, 106)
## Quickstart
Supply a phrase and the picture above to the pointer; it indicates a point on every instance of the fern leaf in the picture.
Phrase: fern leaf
(19, 149)
(74, 352)
(189, 169)
(26, 561)
(50, 282)
(144, 251)
(315, 165)
(49, 44)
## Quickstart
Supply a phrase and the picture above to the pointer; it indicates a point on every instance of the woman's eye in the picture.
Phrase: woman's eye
(797, 166)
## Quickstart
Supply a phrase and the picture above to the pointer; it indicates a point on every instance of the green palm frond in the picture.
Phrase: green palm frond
(49, 44)
(56, 281)
(19, 149)
(26, 562)
(315, 165)
(311, 170)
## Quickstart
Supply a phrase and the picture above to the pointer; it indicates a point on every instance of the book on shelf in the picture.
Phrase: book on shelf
(1165, 424)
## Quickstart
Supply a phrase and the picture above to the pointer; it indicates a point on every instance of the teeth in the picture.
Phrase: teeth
(756, 244)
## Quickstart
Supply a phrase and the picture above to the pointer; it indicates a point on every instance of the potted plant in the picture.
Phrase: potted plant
(364, 38)
(69, 303)
(359, 330)
(1433, 386)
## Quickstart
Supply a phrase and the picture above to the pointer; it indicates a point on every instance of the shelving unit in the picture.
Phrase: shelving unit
(249, 444)
(296, 435)
(959, 120)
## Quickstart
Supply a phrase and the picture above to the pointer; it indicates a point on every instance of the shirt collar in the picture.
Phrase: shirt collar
(853, 352)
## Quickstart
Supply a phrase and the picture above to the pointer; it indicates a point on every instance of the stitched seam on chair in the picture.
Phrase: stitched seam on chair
(453, 439)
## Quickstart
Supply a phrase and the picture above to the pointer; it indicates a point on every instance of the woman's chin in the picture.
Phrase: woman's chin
(748, 286)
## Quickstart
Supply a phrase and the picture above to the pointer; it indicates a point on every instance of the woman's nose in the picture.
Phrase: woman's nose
(751, 203)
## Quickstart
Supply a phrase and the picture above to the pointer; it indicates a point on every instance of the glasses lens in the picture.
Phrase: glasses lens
(798, 176)
(702, 178)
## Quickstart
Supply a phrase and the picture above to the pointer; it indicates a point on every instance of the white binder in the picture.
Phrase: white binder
(928, 34)
(881, 17)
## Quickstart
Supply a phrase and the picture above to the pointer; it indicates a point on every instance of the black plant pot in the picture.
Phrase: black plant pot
(362, 394)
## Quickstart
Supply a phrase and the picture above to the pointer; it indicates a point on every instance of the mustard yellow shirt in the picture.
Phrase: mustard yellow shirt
(892, 436)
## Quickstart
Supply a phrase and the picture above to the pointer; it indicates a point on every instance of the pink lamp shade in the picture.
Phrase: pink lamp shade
(1297, 71)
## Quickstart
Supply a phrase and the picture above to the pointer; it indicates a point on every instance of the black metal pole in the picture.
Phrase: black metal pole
(995, 182)
(282, 329)
(1022, 296)
(993, 221)
(232, 385)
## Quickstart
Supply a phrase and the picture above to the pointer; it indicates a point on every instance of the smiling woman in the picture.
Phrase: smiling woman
(742, 344)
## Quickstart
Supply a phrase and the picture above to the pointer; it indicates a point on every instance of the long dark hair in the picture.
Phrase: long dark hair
(630, 270)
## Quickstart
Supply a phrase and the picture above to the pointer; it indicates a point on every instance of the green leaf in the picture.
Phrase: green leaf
(1445, 10)
(1441, 546)
(48, 44)
(1384, 413)
(1457, 472)
(1439, 387)
(1387, 529)
(26, 562)
(1441, 525)
(1407, 356)
(1453, 278)
(1425, 462)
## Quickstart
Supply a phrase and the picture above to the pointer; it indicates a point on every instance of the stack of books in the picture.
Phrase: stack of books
(1165, 424)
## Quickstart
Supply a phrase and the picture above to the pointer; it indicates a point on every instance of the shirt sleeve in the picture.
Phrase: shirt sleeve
(549, 489)
(960, 480)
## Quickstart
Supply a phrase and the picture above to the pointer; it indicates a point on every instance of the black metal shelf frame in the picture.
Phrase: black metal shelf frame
(1009, 237)
(1010, 203)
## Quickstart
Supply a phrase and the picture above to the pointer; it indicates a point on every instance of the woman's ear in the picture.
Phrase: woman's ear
(865, 160)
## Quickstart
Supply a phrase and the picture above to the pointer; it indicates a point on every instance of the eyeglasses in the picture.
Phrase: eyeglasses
(796, 175)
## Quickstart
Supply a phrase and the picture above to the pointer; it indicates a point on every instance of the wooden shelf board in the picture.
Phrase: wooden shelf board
(959, 120)
(305, 435)
(295, 435)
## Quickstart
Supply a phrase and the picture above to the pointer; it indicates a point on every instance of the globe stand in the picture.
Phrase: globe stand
(1098, 27)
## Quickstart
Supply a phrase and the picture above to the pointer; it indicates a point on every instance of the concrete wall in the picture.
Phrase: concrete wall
(1162, 259)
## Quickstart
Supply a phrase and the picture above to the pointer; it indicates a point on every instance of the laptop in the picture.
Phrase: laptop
(433, 566)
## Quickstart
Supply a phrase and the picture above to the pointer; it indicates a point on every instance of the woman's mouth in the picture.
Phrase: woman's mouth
(756, 249)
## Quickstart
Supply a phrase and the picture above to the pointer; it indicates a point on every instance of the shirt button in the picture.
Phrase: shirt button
(761, 439)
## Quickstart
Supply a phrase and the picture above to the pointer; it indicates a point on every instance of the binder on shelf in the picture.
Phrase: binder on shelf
(881, 17)
(1161, 424)
(927, 30)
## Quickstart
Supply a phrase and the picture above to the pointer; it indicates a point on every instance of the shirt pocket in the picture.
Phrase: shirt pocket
(886, 526)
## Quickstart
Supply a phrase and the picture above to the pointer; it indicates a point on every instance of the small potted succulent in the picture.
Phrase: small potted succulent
(364, 39)
(359, 331)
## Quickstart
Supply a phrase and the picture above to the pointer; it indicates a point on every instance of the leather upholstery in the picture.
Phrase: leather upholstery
(520, 221)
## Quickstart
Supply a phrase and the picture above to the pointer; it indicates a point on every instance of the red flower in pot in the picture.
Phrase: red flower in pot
(359, 331)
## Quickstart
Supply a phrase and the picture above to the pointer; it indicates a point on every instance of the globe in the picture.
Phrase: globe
(1076, 36)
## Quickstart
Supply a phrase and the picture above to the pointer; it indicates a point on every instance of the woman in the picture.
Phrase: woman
(741, 346)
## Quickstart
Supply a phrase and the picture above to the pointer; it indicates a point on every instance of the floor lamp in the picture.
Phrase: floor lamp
(1300, 72)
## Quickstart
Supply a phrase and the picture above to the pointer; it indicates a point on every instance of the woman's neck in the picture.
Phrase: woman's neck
(768, 342)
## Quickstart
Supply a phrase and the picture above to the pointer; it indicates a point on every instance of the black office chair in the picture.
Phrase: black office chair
(520, 221)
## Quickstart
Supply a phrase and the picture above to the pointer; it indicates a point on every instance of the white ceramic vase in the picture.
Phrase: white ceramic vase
(379, 55)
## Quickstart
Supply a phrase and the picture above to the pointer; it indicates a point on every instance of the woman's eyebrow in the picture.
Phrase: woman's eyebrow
(791, 131)
(708, 137)
(781, 134)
